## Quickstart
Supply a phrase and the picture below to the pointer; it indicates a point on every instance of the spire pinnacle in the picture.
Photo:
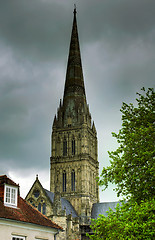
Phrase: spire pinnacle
(75, 10)
(74, 84)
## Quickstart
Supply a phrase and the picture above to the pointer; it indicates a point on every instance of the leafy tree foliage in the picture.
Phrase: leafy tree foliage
(130, 221)
(132, 170)
(132, 167)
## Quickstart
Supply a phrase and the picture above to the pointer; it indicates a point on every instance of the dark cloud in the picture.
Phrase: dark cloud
(120, 18)
(117, 41)
(33, 28)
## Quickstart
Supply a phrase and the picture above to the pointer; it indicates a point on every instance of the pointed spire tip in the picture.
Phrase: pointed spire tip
(75, 9)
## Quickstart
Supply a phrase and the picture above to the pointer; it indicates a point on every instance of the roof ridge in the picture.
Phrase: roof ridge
(5, 177)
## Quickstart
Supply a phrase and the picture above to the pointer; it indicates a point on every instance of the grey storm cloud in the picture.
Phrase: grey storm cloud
(33, 28)
(117, 39)
(36, 27)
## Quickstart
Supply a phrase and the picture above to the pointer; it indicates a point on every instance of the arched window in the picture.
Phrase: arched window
(39, 207)
(64, 181)
(73, 181)
(64, 147)
(44, 208)
(36, 193)
(73, 147)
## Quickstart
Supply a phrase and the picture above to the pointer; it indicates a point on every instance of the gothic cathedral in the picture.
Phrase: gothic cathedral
(74, 162)
(74, 155)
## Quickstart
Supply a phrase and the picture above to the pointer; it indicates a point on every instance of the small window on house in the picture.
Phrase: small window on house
(18, 238)
(64, 147)
(10, 195)
(41, 238)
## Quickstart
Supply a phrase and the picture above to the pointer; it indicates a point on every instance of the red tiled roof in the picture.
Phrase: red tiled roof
(5, 179)
(25, 213)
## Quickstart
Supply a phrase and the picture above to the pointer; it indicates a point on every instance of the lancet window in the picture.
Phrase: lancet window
(44, 208)
(39, 207)
(73, 146)
(65, 147)
(64, 181)
(73, 180)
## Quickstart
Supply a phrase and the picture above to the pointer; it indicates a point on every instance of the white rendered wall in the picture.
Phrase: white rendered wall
(30, 231)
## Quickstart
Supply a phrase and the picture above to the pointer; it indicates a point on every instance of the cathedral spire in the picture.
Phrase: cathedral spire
(74, 161)
(74, 84)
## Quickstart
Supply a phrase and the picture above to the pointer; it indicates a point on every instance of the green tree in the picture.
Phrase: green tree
(132, 170)
(131, 221)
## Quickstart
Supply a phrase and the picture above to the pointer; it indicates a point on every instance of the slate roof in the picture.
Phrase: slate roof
(50, 195)
(24, 211)
(65, 204)
(102, 208)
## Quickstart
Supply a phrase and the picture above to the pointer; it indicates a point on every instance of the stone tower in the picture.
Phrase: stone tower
(74, 154)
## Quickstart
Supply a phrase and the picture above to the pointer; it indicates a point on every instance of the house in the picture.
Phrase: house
(19, 220)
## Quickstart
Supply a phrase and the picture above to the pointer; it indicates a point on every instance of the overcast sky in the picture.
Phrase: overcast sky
(117, 40)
